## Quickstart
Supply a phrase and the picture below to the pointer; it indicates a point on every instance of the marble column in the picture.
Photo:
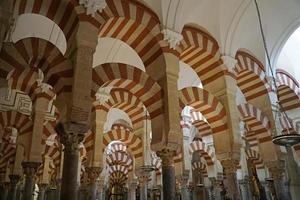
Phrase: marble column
(143, 187)
(183, 180)
(293, 173)
(217, 189)
(168, 173)
(4, 190)
(71, 134)
(93, 174)
(12, 194)
(29, 169)
(208, 192)
(277, 169)
(230, 167)
(58, 188)
(42, 191)
(100, 190)
(132, 189)
(144, 174)
(245, 188)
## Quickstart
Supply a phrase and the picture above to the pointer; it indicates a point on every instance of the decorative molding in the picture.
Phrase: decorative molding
(172, 37)
(229, 62)
(93, 6)
(103, 95)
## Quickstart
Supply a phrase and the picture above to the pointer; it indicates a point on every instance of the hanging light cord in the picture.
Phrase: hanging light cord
(269, 61)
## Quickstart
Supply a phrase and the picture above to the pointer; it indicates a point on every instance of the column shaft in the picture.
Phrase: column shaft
(93, 173)
(294, 176)
(12, 194)
(30, 169)
(169, 185)
(69, 185)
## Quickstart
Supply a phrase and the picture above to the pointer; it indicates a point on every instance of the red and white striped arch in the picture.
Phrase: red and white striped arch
(204, 102)
(135, 24)
(201, 51)
(120, 158)
(133, 80)
(8, 152)
(255, 158)
(200, 122)
(204, 150)
(62, 13)
(118, 168)
(117, 178)
(26, 81)
(127, 102)
(257, 122)
(88, 141)
(156, 163)
(118, 146)
(251, 76)
(17, 120)
(133, 142)
(38, 54)
(199, 166)
(288, 90)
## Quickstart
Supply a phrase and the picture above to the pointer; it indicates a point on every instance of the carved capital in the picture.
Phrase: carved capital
(276, 168)
(230, 166)
(133, 184)
(93, 6)
(71, 134)
(144, 174)
(229, 62)
(167, 157)
(42, 186)
(172, 37)
(183, 179)
(14, 179)
(30, 168)
(93, 173)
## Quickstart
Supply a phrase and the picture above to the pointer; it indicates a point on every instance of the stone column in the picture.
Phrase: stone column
(132, 189)
(217, 188)
(100, 190)
(71, 134)
(293, 173)
(143, 187)
(42, 190)
(144, 174)
(93, 174)
(29, 169)
(230, 167)
(6, 27)
(245, 188)
(12, 194)
(4, 190)
(183, 180)
(277, 169)
(168, 173)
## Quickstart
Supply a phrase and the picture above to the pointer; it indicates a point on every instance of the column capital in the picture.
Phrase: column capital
(14, 179)
(30, 168)
(276, 168)
(144, 173)
(167, 157)
(230, 166)
(71, 134)
(172, 37)
(229, 62)
(183, 179)
(93, 173)
(43, 186)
